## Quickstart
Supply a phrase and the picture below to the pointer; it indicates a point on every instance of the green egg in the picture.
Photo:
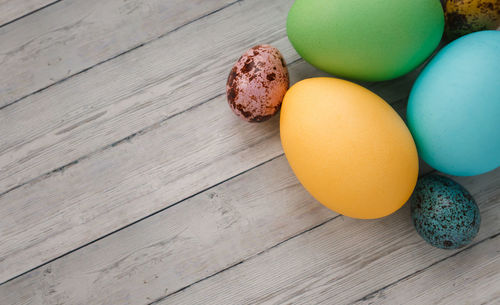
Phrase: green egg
(365, 39)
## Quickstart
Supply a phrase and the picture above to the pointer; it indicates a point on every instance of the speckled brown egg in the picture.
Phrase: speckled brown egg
(257, 84)
(467, 16)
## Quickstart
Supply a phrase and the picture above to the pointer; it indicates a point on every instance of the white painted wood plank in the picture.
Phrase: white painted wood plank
(128, 118)
(118, 98)
(471, 277)
(178, 246)
(65, 212)
(121, 97)
(139, 293)
(52, 223)
(123, 183)
(129, 181)
(71, 36)
(339, 262)
(13, 9)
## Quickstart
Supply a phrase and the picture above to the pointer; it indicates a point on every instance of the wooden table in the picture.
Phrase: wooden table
(126, 179)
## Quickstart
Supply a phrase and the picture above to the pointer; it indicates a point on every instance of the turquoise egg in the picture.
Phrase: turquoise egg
(444, 213)
(454, 106)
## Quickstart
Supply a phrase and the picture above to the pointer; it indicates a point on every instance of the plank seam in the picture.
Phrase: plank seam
(372, 294)
(116, 143)
(144, 218)
(245, 259)
(257, 254)
(106, 147)
(310, 229)
(119, 54)
(30, 13)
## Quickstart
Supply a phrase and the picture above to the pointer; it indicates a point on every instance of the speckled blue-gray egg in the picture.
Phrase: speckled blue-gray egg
(444, 213)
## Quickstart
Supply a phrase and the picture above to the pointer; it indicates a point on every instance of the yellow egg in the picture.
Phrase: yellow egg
(348, 147)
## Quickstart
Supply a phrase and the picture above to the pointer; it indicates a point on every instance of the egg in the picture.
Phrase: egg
(257, 83)
(363, 39)
(444, 213)
(454, 106)
(348, 147)
(464, 17)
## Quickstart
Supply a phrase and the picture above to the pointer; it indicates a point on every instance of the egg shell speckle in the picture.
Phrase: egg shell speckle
(257, 84)
(467, 16)
(444, 213)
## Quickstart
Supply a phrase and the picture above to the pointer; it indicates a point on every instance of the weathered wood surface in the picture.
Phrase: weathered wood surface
(86, 161)
(133, 91)
(11, 10)
(87, 112)
(71, 36)
(180, 245)
(471, 277)
(139, 176)
(166, 160)
(125, 182)
(343, 260)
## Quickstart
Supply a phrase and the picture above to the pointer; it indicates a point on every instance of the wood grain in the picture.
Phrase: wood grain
(14, 9)
(72, 35)
(138, 89)
(117, 186)
(52, 197)
(179, 246)
(470, 277)
(121, 114)
(339, 262)
(159, 166)
(134, 177)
